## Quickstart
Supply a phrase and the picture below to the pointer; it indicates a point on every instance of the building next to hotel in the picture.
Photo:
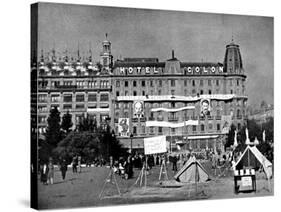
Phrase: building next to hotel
(192, 103)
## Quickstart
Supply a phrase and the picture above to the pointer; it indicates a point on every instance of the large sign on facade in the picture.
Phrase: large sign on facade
(155, 145)
(123, 127)
(138, 108)
(205, 107)
(226, 122)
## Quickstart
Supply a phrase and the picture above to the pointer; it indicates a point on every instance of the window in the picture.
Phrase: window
(173, 130)
(151, 83)
(160, 129)
(193, 82)
(80, 84)
(173, 83)
(135, 83)
(218, 112)
(231, 91)
(202, 127)
(104, 97)
(42, 98)
(210, 92)
(55, 98)
(117, 83)
(143, 93)
(42, 84)
(126, 93)
(67, 83)
(117, 106)
(67, 106)
(42, 108)
(117, 93)
(218, 127)
(126, 106)
(42, 119)
(135, 93)
(92, 97)
(237, 82)
(143, 129)
(201, 92)
(80, 106)
(134, 130)
(172, 104)
(210, 126)
(217, 82)
(230, 82)
(67, 98)
(159, 92)
(185, 82)
(160, 83)
(126, 83)
(80, 98)
(143, 83)
(194, 128)
(193, 91)
(201, 83)
(151, 129)
(172, 92)
(209, 82)
(116, 115)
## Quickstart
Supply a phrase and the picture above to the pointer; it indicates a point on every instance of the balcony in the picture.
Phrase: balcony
(210, 117)
(194, 117)
(238, 117)
(173, 118)
(134, 119)
(143, 119)
(160, 118)
(151, 118)
(186, 118)
(218, 117)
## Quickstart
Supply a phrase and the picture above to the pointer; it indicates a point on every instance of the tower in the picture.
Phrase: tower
(106, 56)
(233, 60)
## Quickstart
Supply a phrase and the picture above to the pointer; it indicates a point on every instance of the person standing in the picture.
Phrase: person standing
(63, 168)
(74, 164)
(51, 171)
(44, 174)
(79, 163)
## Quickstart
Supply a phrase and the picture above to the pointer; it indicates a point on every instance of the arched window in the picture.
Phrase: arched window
(202, 127)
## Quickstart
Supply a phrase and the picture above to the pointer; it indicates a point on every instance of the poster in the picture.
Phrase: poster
(155, 145)
(123, 127)
(225, 123)
(138, 108)
(205, 107)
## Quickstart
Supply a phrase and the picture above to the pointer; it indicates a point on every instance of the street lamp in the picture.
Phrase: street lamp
(131, 136)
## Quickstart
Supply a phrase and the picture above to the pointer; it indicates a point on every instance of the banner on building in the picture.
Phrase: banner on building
(170, 124)
(205, 107)
(138, 108)
(225, 123)
(155, 145)
(123, 127)
(172, 109)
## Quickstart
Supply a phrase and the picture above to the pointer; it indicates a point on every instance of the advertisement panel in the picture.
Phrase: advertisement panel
(123, 127)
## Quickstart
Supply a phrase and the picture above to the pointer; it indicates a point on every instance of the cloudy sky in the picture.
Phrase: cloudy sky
(195, 37)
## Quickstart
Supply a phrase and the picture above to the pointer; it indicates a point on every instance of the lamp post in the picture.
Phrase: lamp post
(131, 148)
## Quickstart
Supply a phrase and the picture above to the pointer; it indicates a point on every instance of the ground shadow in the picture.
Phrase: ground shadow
(25, 202)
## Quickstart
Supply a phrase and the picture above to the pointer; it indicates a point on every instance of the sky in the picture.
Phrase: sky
(195, 37)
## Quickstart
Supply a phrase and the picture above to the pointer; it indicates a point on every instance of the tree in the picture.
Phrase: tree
(87, 124)
(53, 133)
(66, 123)
(85, 144)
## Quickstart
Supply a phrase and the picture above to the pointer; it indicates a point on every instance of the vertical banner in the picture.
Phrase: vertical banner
(123, 127)
(138, 109)
(155, 145)
(225, 123)
(205, 107)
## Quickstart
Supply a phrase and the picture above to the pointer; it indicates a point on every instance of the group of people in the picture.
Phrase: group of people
(47, 171)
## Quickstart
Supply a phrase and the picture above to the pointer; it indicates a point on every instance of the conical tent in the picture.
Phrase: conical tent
(192, 172)
(253, 158)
